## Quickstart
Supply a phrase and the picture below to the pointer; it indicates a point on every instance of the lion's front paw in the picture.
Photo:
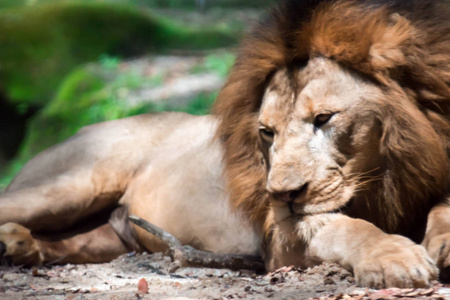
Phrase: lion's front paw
(18, 246)
(395, 262)
(439, 249)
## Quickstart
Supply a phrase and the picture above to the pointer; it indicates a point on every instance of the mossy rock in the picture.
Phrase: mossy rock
(41, 44)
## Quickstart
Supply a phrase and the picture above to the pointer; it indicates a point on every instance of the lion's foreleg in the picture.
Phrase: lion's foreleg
(376, 258)
(437, 237)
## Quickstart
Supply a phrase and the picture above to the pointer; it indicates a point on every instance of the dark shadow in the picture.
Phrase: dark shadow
(13, 119)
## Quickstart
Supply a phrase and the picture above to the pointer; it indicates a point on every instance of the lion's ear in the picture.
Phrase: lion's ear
(390, 40)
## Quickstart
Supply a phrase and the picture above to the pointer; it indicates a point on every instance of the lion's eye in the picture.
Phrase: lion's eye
(266, 134)
(321, 119)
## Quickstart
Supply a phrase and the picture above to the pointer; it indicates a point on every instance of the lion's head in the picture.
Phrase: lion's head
(340, 105)
(320, 154)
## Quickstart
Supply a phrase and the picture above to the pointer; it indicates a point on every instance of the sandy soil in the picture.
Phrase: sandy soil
(148, 276)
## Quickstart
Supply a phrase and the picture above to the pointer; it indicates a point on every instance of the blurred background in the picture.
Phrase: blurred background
(65, 64)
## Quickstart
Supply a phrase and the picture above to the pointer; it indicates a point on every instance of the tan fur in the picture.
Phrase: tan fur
(162, 167)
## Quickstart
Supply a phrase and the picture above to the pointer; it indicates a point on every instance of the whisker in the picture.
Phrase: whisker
(362, 184)
(362, 174)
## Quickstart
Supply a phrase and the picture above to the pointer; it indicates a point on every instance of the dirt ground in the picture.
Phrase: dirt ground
(147, 276)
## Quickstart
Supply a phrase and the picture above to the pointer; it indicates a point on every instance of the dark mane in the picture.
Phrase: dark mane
(402, 45)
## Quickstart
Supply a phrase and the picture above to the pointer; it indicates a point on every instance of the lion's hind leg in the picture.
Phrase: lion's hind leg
(93, 241)
(57, 219)
(54, 206)
(38, 223)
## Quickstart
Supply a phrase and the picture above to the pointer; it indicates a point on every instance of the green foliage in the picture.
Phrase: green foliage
(109, 62)
(219, 63)
(13, 168)
(200, 105)
(43, 43)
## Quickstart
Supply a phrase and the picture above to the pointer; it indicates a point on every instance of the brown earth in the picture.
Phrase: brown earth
(119, 279)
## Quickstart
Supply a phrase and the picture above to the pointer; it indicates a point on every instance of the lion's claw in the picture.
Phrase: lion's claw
(396, 262)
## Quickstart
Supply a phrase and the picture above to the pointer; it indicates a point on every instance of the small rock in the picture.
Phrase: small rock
(276, 279)
(143, 286)
(247, 273)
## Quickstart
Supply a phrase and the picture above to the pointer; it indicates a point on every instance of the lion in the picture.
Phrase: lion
(328, 142)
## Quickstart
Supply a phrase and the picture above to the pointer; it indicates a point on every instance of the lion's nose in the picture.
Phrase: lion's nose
(291, 196)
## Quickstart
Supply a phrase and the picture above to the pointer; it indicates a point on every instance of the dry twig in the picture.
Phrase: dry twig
(190, 257)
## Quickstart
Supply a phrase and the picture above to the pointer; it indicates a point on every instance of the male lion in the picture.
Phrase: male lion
(334, 129)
